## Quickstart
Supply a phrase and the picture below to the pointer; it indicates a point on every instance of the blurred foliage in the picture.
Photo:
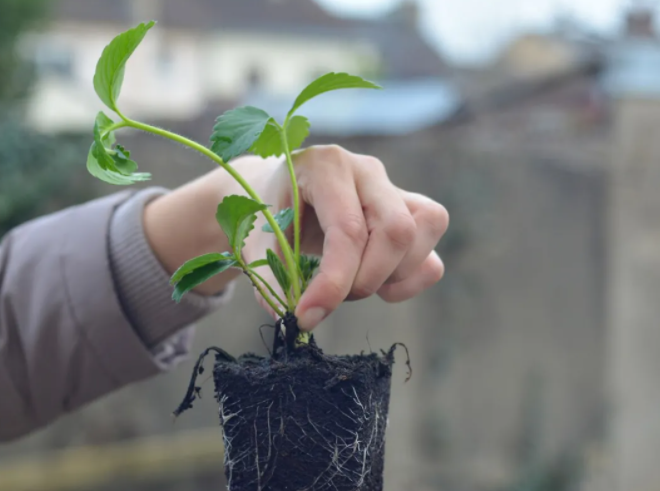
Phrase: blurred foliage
(16, 16)
(38, 173)
(562, 475)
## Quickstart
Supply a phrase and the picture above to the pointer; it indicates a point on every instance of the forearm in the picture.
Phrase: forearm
(181, 225)
(84, 310)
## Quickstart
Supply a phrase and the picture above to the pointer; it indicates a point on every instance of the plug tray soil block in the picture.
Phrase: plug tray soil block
(300, 420)
(308, 422)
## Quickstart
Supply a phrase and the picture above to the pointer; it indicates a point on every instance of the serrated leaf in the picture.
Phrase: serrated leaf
(111, 166)
(237, 130)
(329, 82)
(308, 266)
(269, 143)
(278, 269)
(110, 68)
(258, 264)
(110, 176)
(199, 276)
(197, 262)
(122, 161)
(283, 218)
(236, 216)
(297, 132)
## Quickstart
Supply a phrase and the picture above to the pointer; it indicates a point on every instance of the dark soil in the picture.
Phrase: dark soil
(301, 420)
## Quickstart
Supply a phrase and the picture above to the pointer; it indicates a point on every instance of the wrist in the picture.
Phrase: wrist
(181, 225)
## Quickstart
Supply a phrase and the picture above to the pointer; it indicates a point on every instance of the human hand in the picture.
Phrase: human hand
(374, 238)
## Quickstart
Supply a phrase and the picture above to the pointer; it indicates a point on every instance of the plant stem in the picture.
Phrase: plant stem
(114, 127)
(289, 257)
(295, 190)
(266, 297)
(270, 288)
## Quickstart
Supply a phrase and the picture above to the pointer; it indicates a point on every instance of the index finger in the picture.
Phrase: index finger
(339, 212)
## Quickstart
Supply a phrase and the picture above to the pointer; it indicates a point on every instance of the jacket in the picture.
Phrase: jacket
(85, 309)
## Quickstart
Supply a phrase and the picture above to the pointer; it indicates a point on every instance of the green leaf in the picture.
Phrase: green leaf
(122, 161)
(199, 276)
(104, 122)
(236, 216)
(329, 82)
(236, 131)
(308, 266)
(111, 66)
(109, 176)
(278, 269)
(195, 263)
(269, 143)
(111, 166)
(258, 264)
(297, 132)
(283, 218)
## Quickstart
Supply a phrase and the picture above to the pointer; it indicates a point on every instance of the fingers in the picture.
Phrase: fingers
(424, 276)
(391, 228)
(330, 189)
(431, 222)
(375, 238)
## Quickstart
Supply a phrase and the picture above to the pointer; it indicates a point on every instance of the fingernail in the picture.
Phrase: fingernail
(311, 318)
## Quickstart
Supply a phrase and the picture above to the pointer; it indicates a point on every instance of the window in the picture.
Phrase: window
(53, 59)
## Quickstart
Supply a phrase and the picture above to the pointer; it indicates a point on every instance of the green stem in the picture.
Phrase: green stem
(292, 265)
(270, 288)
(266, 297)
(114, 127)
(296, 196)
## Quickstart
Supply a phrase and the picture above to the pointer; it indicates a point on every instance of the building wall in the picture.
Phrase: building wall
(176, 74)
(633, 296)
(284, 63)
(536, 55)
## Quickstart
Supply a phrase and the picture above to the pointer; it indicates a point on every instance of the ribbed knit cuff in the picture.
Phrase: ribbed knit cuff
(143, 284)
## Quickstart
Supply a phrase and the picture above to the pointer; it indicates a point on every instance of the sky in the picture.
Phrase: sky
(471, 31)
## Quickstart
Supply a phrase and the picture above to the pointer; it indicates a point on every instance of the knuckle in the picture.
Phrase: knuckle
(435, 217)
(401, 230)
(372, 164)
(355, 228)
(333, 153)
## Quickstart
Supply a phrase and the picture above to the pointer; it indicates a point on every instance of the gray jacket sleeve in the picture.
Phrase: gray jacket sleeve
(85, 309)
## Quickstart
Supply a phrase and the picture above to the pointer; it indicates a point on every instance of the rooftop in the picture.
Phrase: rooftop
(404, 107)
(406, 54)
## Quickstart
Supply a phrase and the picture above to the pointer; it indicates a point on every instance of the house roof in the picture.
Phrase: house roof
(403, 107)
(91, 10)
(213, 14)
(405, 53)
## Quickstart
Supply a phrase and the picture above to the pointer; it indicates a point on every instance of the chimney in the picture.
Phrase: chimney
(640, 23)
(407, 14)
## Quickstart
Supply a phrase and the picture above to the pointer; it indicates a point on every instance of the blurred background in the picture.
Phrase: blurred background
(537, 360)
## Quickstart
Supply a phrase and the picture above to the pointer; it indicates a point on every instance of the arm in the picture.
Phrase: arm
(85, 309)
(85, 304)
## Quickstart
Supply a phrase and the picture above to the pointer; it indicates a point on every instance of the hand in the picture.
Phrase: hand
(374, 237)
